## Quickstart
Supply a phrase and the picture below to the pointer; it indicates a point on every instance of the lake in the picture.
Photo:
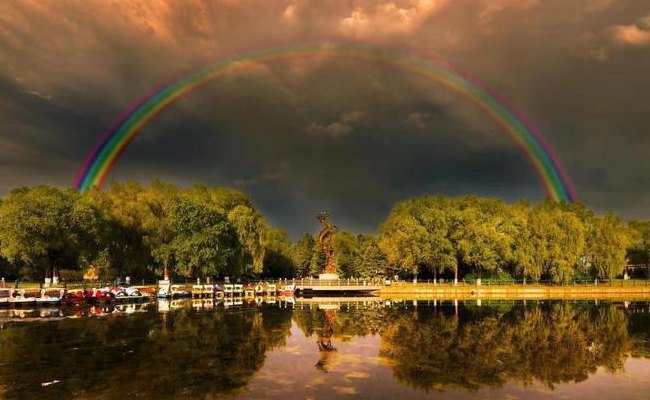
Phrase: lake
(306, 349)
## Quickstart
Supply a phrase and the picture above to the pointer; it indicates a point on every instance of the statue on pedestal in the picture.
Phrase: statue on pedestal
(325, 237)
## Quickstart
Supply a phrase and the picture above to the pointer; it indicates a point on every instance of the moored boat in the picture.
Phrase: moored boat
(288, 290)
(78, 296)
(47, 300)
(260, 289)
(177, 291)
(271, 289)
(102, 295)
(129, 295)
(5, 294)
(19, 299)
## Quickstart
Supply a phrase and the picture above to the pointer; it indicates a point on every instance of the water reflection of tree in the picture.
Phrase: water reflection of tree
(432, 349)
(639, 329)
(348, 321)
(194, 354)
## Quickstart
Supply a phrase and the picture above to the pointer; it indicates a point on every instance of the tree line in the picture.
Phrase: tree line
(160, 229)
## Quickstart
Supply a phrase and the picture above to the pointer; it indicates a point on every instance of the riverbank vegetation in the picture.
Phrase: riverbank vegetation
(142, 231)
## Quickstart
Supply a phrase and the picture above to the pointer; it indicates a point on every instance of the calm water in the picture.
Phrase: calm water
(361, 349)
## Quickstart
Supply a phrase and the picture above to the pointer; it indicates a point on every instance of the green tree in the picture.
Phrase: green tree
(37, 230)
(558, 239)
(346, 246)
(277, 257)
(404, 240)
(480, 235)
(607, 243)
(369, 259)
(251, 230)
(204, 241)
(302, 253)
(522, 258)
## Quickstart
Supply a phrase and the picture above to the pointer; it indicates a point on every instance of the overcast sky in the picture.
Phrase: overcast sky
(351, 137)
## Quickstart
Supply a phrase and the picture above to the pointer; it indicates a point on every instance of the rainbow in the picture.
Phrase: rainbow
(529, 139)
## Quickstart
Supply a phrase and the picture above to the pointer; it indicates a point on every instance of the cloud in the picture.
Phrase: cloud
(633, 35)
(256, 180)
(388, 18)
(336, 129)
(40, 95)
(552, 59)
(419, 119)
(489, 8)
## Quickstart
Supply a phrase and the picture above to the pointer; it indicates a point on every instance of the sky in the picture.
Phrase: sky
(351, 137)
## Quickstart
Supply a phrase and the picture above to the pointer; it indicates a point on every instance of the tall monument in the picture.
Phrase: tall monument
(325, 237)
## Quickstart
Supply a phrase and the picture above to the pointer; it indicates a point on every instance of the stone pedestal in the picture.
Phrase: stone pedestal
(328, 277)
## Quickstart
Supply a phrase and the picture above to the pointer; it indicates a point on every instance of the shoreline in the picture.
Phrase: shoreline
(515, 292)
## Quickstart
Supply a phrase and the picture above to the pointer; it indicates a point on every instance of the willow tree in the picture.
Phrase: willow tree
(607, 242)
(251, 231)
(522, 255)
(405, 241)
(479, 235)
(558, 239)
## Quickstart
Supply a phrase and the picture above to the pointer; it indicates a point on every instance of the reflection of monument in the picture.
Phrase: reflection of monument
(325, 341)
(325, 237)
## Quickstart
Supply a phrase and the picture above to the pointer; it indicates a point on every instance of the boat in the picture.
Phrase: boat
(286, 301)
(102, 295)
(228, 289)
(164, 289)
(76, 296)
(177, 291)
(288, 290)
(260, 290)
(19, 299)
(238, 289)
(5, 294)
(128, 295)
(47, 300)
(249, 290)
(218, 292)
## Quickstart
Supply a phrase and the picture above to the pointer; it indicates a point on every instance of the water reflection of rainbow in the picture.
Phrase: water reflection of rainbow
(114, 141)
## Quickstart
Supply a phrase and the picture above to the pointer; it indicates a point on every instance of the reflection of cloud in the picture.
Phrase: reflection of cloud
(345, 389)
(357, 375)
(317, 381)
(336, 129)
(295, 350)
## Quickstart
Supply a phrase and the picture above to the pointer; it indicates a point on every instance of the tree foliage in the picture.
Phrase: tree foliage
(200, 231)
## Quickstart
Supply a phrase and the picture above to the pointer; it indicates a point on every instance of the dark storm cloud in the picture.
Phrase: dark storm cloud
(351, 137)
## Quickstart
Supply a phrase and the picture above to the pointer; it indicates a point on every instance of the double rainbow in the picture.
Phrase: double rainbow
(529, 139)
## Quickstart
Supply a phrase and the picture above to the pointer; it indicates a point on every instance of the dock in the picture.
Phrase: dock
(307, 287)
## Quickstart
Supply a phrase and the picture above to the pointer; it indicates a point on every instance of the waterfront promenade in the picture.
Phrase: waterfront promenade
(615, 290)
